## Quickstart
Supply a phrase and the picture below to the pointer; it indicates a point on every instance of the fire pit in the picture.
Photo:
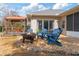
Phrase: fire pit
(29, 37)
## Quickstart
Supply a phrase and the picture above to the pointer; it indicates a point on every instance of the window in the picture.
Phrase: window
(70, 22)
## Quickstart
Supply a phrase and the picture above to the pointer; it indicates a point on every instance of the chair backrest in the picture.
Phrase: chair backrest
(56, 33)
(44, 31)
(29, 30)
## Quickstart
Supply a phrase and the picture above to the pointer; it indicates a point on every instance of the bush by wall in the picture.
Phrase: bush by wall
(0, 28)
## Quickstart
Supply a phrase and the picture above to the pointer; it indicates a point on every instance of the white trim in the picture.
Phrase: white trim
(42, 24)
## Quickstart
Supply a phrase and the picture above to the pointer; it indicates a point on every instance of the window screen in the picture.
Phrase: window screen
(70, 22)
(76, 21)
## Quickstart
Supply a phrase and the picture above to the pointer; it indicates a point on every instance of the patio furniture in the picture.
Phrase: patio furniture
(29, 30)
(53, 37)
(29, 36)
(42, 34)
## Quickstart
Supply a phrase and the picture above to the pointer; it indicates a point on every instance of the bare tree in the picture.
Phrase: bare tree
(11, 13)
(5, 11)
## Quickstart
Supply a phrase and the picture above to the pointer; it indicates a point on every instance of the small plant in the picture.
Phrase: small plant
(0, 28)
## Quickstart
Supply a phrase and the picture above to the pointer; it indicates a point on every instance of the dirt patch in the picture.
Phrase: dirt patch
(15, 47)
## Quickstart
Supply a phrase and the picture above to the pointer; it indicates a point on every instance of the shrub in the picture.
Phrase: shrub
(0, 28)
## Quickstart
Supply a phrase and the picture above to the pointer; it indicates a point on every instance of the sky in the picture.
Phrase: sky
(24, 8)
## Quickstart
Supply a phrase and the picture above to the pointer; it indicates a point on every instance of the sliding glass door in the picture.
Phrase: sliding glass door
(45, 24)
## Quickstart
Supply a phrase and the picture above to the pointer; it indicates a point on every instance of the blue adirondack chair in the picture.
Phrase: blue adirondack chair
(53, 36)
(29, 30)
(43, 33)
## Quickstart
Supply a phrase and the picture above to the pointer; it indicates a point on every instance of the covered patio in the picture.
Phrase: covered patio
(14, 24)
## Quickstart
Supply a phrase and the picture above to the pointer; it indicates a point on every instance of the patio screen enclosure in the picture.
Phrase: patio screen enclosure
(73, 22)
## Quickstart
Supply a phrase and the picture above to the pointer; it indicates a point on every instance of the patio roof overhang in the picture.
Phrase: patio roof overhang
(46, 14)
(48, 17)
(71, 11)
(15, 18)
(50, 14)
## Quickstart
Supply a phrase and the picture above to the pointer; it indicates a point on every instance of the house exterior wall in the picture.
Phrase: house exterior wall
(34, 25)
(35, 18)
(55, 24)
(63, 24)
(73, 33)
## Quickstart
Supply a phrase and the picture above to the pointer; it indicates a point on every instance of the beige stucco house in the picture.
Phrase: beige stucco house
(67, 20)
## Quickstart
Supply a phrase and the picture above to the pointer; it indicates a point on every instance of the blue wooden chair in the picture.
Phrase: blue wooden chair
(43, 33)
(53, 37)
(29, 30)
